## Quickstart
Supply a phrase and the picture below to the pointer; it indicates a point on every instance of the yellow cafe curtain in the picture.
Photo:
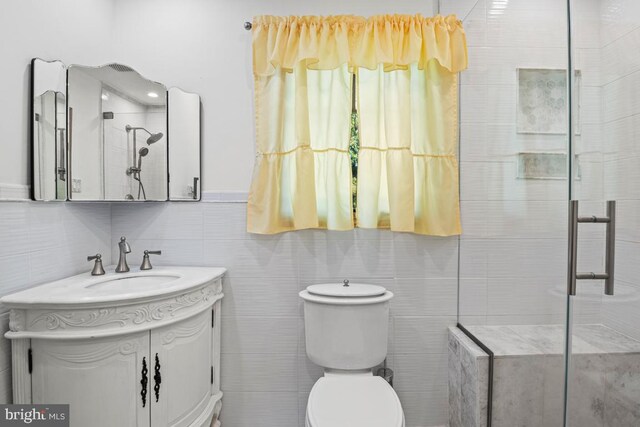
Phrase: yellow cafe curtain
(406, 68)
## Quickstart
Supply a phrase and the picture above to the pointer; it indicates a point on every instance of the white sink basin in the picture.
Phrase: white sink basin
(141, 282)
(114, 287)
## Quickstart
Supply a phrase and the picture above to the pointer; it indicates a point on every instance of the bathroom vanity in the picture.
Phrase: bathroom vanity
(131, 349)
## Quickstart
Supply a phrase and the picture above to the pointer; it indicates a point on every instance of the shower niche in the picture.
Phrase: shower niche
(107, 133)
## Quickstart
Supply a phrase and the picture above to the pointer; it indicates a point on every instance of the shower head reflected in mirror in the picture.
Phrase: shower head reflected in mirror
(141, 153)
(155, 137)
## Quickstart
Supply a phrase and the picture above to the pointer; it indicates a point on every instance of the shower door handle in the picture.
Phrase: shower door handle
(610, 253)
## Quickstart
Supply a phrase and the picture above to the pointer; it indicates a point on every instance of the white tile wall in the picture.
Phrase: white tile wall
(512, 256)
(266, 375)
(513, 248)
(40, 242)
(620, 35)
(245, 409)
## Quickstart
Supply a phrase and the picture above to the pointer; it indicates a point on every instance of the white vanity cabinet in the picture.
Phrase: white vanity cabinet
(100, 378)
(185, 353)
(140, 358)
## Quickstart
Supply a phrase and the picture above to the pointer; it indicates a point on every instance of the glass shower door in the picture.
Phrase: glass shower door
(603, 322)
(514, 198)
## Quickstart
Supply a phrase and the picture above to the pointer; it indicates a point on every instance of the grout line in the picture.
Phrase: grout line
(619, 37)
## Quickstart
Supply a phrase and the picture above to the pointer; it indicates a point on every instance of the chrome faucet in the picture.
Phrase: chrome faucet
(124, 247)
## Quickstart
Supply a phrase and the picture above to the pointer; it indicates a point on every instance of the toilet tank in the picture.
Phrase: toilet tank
(346, 325)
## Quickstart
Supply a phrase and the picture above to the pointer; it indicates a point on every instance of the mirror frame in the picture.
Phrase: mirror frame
(104, 178)
(200, 108)
(31, 131)
(68, 140)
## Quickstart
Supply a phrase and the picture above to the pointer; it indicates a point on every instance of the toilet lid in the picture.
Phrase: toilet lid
(354, 402)
(346, 290)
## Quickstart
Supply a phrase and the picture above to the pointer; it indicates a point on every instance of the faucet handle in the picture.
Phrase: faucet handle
(98, 269)
(146, 262)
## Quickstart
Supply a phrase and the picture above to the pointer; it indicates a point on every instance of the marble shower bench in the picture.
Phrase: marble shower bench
(529, 376)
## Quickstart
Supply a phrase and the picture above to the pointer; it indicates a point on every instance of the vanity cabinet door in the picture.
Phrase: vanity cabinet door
(180, 375)
(100, 379)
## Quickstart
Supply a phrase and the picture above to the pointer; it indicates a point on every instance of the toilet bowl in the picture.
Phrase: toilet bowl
(346, 327)
(348, 400)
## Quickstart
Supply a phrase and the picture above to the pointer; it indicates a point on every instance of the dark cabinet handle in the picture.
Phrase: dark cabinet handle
(157, 378)
(144, 381)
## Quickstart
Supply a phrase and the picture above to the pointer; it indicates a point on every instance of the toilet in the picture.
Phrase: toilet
(346, 327)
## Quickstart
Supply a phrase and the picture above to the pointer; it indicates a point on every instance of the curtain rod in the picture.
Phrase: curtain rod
(248, 25)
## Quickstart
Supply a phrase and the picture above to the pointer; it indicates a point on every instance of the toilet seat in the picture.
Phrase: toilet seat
(353, 401)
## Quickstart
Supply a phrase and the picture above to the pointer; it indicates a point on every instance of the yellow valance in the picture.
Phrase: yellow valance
(326, 43)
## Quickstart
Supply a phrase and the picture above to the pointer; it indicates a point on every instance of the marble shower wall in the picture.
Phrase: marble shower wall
(529, 374)
(468, 381)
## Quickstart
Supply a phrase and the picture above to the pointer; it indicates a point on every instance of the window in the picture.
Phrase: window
(356, 123)
(354, 148)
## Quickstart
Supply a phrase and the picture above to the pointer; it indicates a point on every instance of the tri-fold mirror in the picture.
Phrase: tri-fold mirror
(108, 134)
